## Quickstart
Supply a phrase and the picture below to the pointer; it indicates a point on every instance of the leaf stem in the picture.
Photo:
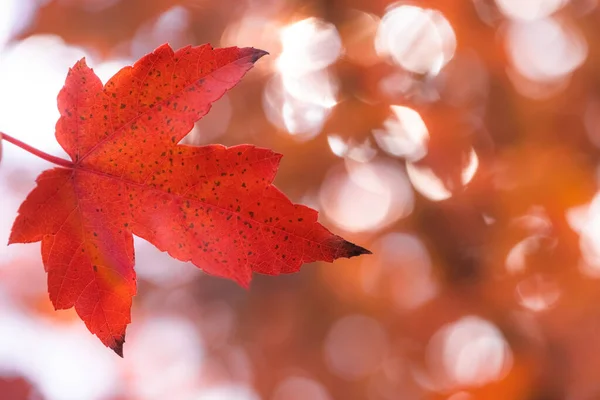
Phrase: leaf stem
(45, 156)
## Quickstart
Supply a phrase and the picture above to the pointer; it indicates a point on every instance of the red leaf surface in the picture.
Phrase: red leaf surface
(212, 205)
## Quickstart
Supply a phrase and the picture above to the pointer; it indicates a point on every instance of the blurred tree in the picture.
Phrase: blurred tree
(485, 224)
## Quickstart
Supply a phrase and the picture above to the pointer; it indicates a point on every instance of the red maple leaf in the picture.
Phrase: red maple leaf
(214, 206)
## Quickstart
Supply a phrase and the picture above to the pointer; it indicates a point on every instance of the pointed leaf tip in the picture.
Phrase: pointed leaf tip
(118, 347)
(353, 250)
(256, 54)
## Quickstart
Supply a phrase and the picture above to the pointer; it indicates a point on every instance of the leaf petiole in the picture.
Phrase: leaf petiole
(45, 156)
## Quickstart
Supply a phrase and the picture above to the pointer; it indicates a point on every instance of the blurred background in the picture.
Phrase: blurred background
(456, 139)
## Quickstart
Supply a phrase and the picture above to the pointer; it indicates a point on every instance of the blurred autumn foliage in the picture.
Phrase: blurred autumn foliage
(457, 139)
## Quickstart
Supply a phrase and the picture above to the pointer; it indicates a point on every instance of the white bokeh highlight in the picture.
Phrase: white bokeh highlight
(366, 196)
(404, 134)
(426, 182)
(419, 40)
(470, 352)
